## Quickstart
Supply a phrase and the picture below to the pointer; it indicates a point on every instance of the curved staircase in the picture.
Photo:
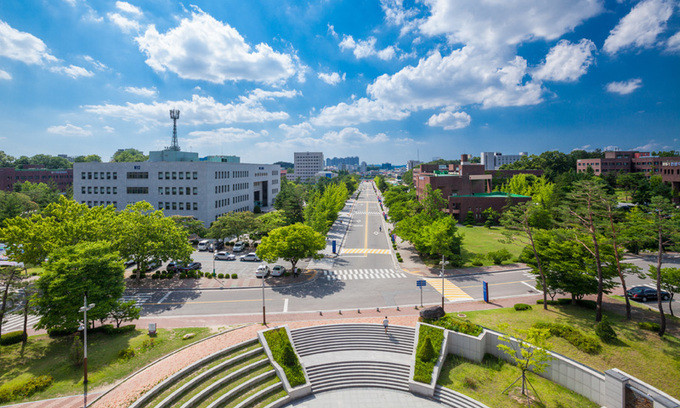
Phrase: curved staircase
(350, 337)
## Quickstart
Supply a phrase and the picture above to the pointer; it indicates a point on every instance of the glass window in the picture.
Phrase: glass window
(167, 190)
(195, 175)
(160, 175)
(181, 190)
(174, 191)
(108, 175)
(82, 175)
(195, 190)
(115, 175)
(160, 190)
(160, 205)
(82, 189)
(181, 206)
(96, 175)
(174, 175)
(181, 175)
(115, 190)
(174, 206)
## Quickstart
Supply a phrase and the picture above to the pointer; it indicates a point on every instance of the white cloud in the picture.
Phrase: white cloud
(128, 8)
(398, 15)
(73, 71)
(331, 79)
(97, 64)
(450, 120)
(673, 43)
(650, 146)
(301, 129)
(360, 111)
(69, 130)
(220, 137)
(127, 25)
(262, 95)
(366, 48)
(641, 26)
(492, 23)
(24, 47)
(198, 110)
(5, 75)
(624, 87)
(566, 61)
(145, 92)
(109, 129)
(464, 77)
(202, 48)
(348, 137)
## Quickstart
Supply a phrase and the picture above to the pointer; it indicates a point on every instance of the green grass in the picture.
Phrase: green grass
(482, 240)
(486, 382)
(640, 353)
(271, 398)
(47, 356)
(278, 340)
(423, 369)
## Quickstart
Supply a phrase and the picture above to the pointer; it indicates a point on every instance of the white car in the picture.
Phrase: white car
(251, 257)
(239, 246)
(278, 270)
(262, 271)
(224, 256)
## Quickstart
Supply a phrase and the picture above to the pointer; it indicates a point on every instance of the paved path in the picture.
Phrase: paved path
(365, 398)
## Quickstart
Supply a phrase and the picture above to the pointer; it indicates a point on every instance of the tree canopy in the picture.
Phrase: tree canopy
(291, 243)
(129, 155)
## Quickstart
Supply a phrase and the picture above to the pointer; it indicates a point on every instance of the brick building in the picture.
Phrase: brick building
(62, 179)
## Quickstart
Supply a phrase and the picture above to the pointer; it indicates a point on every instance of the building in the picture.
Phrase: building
(494, 160)
(62, 179)
(411, 164)
(307, 164)
(340, 161)
(221, 159)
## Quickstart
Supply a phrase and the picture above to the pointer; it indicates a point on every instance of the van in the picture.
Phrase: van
(203, 245)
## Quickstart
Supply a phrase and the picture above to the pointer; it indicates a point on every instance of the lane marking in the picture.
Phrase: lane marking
(532, 288)
(490, 284)
(285, 305)
(164, 297)
(366, 235)
(451, 291)
(364, 251)
(213, 301)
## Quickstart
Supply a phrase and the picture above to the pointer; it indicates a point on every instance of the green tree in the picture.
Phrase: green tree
(190, 225)
(491, 217)
(380, 183)
(40, 193)
(670, 282)
(469, 218)
(499, 256)
(289, 200)
(440, 238)
(90, 158)
(15, 204)
(124, 312)
(233, 224)
(433, 203)
(6, 160)
(270, 221)
(291, 243)
(129, 155)
(407, 178)
(8, 277)
(92, 268)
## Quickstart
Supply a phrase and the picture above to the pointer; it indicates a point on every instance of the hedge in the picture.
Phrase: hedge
(522, 306)
(584, 303)
(429, 345)
(575, 337)
(24, 388)
(12, 338)
(651, 326)
(281, 347)
(452, 323)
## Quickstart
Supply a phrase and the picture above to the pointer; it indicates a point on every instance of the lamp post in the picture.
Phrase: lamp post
(442, 275)
(264, 317)
(83, 327)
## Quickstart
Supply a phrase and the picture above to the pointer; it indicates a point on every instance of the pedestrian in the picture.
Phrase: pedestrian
(380, 228)
(295, 272)
(385, 324)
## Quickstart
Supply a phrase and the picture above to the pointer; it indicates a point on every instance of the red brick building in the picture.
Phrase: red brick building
(62, 179)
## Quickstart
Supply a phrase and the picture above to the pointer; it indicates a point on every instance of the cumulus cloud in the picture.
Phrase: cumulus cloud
(331, 79)
(566, 62)
(145, 92)
(262, 95)
(97, 64)
(202, 48)
(450, 120)
(5, 75)
(22, 46)
(360, 111)
(301, 129)
(673, 43)
(640, 27)
(69, 130)
(348, 137)
(108, 129)
(73, 71)
(624, 87)
(366, 48)
(398, 15)
(199, 110)
(492, 24)
(128, 8)
(127, 25)
(220, 137)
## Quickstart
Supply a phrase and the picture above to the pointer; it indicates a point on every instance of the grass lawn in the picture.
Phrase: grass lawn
(282, 350)
(46, 356)
(486, 382)
(482, 240)
(640, 353)
(423, 369)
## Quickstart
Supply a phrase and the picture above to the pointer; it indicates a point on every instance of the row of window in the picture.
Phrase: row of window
(177, 175)
(99, 190)
(240, 173)
(96, 203)
(275, 181)
(138, 190)
(99, 175)
(275, 190)
(181, 206)
(241, 198)
(221, 203)
(240, 186)
(261, 174)
(138, 174)
(221, 174)
(177, 190)
(222, 189)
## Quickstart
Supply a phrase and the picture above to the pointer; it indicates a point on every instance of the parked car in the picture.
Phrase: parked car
(192, 266)
(129, 263)
(278, 270)
(262, 271)
(203, 245)
(239, 246)
(155, 264)
(173, 265)
(644, 293)
(224, 256)
(218, 245)
(251, 257)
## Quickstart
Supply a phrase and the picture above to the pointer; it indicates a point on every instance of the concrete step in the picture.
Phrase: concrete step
(321, 339)
(260, 395)
(348, 374)
(455, 399)
(241, 389)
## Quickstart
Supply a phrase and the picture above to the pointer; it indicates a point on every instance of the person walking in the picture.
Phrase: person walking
(385, 324)
(380, 228)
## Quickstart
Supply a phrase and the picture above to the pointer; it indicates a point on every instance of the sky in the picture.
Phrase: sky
(385, 80)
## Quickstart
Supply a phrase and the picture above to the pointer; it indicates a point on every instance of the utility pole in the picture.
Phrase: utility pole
(264, 316)
(442, 275)
(84, 310)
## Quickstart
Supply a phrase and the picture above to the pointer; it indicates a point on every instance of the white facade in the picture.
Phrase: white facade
(411, 164)
(494, 160)
(307, 164)
(204, 190)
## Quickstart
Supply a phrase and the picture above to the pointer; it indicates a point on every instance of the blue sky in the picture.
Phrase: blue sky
(385, 80)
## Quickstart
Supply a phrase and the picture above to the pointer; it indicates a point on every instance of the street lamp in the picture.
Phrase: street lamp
(264, 317)
(442, 275)
(83, 327)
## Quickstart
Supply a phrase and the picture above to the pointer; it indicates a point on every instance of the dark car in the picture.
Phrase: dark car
(173, 265)
(155, 264)
(192, 266)
(644, 293)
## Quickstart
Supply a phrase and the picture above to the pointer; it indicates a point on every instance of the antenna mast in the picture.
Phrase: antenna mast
(174, 115)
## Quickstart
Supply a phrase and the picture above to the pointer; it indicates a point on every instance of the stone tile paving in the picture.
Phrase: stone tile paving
(205, 283)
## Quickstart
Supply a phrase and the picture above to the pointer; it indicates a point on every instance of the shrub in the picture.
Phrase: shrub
(278, 341)
(76, 352)
(126, 354)
(605, 331)
(24, 388)
(288, 356)
(101, 329)
(469, 382)
(154, 276)
(110, 330)
(426, 352)
(12, 338)
(234, 276)
(477, 262)
(209, 275)
(500, 256)
(453, 323)
(522, 306)
(148, 344)
(182, 275)
(61, 332)
(220, 275)
(651, 326)
(575, 337)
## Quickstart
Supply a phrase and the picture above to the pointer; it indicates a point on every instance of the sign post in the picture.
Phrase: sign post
(485, 291)
(333, 243)
(420, 284)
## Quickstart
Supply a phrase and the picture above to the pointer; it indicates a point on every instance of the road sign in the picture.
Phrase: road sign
(333, 246)
(485, 291)
(421, 283)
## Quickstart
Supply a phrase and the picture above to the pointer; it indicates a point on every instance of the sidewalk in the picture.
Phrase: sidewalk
(336, 233)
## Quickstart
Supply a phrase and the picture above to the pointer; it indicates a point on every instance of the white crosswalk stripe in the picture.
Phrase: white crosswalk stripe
(352, 274)
(15, 322)
(139, 298)
(365, 212)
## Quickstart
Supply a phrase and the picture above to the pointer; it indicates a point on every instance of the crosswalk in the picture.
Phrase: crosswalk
(356, 274)
(139, 298)
(15, 322)
(364, 251)
(452, 292)
(367, 212)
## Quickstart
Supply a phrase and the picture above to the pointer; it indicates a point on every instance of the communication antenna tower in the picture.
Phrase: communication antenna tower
(174, 115)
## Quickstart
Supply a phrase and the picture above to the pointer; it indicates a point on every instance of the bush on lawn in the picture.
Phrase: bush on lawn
(126, 354)
(110, 330)
(605, 331)
(500, 256)
(651, 326)
(25, 388)
(12, 338)
(453, 323)
(426, 352)
(234, 276)
(575, 337)
(584, 303)
(154, 276)
(430, 341)
(522, 306)
(209, 275)
(220, 275)
(61, 332)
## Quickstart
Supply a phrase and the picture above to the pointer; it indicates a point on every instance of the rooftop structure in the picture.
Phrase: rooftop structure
(494, 160)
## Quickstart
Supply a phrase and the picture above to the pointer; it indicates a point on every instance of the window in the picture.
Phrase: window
(115, 176)
(115, 190)
(160, 205)
(160, 175)
(188, 175)
(96, 190)
(181, 206)
(167, 175)
(160, 190)
(89, 176)
(181, 175)
(174, 175)
(82, 190)
(181, 190)
(108, 190)
(82, 175)
(138, 174)
(195, 190)
(195, 206)
(89, 189)
(195, 175)
(96, 175)
(138, 190)
(108, 175)
(174, 191)
(174, 206)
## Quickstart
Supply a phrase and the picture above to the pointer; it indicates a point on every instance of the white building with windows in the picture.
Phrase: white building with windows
(494, 160)
(307, 164)
(201, 189)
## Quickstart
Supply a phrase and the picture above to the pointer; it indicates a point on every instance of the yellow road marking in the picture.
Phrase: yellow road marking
(366, 226)
(451, 291)
(490, 284)
(364, 251)
(209, 301)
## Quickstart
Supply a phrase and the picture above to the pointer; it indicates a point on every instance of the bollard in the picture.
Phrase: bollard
(398, 309)
(339, 311)
(320, 314)
(377, 309)
(359, 311)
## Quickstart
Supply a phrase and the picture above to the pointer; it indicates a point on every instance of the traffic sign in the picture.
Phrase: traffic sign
(421, 283)
(485, 291)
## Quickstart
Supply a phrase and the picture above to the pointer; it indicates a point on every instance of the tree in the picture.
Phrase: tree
(124, 312)
(499, 256)
(6, 160)
(291, 243)
(88, 159)
(289, 200)
(670, 282)
(270, 221)
(491, 217)
(469, 218)
(8, 276)
(380, 183)
(92, 268)
(190, 225)
(39, 193)
(433, 202)
(440, 238)
(15, 204)
(233, 224)
(129, 155)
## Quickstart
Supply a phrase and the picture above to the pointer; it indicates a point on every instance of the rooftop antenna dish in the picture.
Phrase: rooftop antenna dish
(174, 115)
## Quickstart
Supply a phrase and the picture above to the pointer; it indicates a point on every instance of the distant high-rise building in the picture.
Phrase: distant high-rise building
(386, 166)
(363, 166)
(339, 161)
(411, 164)
(307, 164)
(494, 160)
